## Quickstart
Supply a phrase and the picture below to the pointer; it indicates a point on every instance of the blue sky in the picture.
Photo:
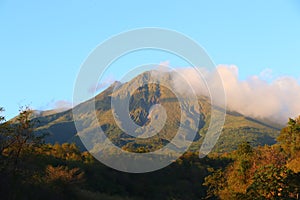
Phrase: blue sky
(43, 44)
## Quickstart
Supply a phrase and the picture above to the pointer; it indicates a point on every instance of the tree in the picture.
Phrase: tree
(64, 175)
(289, 137)
(244, 160)
(244, 150)
(1, 130)
(1, 117)
(270, 182)
(4, 133)
(215, 183)
(2, 144)
(20, 136)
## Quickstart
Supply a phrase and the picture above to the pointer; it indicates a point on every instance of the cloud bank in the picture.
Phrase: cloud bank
(258, 96)
(62, 105)
(59, 105)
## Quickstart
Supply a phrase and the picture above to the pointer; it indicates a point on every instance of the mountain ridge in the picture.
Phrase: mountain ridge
(237, 126)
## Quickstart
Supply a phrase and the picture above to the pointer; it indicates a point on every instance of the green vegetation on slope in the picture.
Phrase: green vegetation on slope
(237, 127)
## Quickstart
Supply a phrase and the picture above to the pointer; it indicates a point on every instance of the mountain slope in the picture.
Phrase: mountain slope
(237, 127)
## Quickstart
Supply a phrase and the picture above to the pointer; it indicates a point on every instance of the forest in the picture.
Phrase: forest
(33, 169)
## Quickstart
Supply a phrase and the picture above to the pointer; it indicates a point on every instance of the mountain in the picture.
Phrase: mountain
(142, 100)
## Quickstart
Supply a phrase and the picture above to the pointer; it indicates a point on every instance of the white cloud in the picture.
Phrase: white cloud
(276, 99)
(266, 74)
(62, 105)
(102, 85)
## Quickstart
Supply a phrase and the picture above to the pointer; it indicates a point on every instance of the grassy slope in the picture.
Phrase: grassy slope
(237, 128)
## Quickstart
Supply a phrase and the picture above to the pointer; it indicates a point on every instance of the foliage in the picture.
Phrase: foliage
(63, 175)
(4, 133)
(31, 169)
(215, 183)
(270, 182)
(268, 172)
(289, 137)
(19, 137)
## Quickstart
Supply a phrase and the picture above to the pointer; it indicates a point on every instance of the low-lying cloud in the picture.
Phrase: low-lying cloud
(102, 85)
(62, 105)
(59, 105)
(258, 96)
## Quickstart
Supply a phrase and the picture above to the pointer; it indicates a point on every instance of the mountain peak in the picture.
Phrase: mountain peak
(144, 95)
